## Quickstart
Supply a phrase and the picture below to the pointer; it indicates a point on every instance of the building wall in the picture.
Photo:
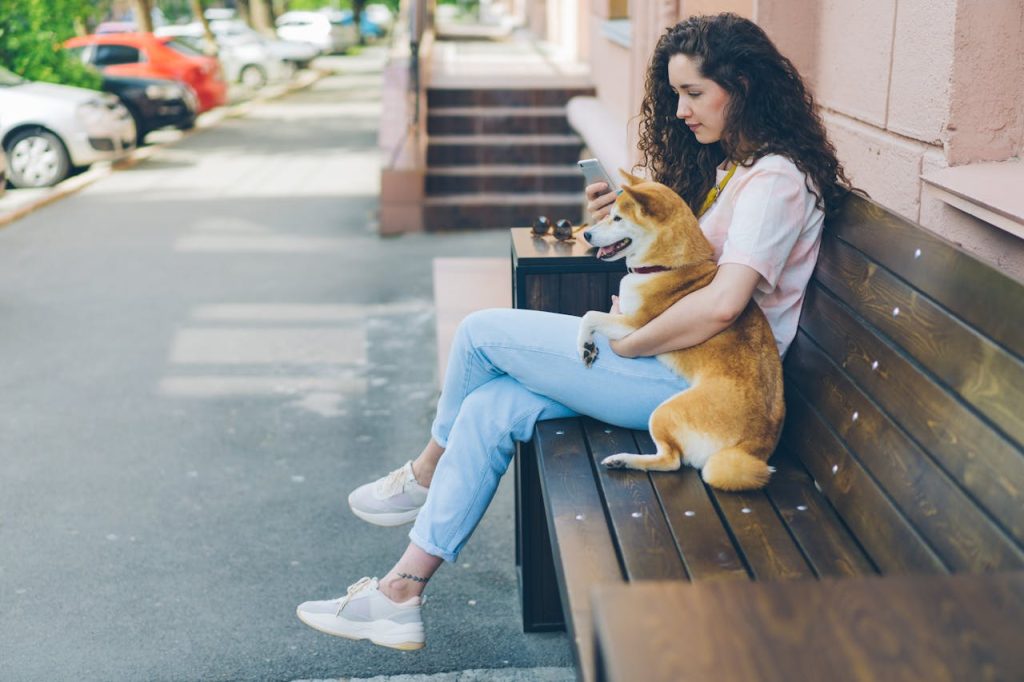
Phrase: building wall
(906, 87)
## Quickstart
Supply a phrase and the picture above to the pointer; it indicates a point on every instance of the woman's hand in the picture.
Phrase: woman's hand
(696, 317)
(599, 200)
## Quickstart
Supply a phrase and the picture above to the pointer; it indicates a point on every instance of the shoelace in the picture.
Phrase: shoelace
(393, 484)
(353, 590)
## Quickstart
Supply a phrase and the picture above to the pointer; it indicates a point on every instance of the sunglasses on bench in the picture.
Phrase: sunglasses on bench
(562, 230)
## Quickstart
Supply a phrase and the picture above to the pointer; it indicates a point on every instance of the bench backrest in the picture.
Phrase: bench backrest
(905, 395)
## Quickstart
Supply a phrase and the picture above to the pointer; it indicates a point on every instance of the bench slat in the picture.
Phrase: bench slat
(769, 549)
(891, 542)
(614, 279)
(978, 293)
(993, 379)
(580, 292)
(581, 542)
(963, 536)
(701, 538)
(987, 465)
(814, 524)
(646, 548)
(541, 293)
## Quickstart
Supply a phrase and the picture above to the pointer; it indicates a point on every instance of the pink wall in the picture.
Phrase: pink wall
(906, 87)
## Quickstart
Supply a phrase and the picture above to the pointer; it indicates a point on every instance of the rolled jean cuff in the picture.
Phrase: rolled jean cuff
(436, 435)
(431, 549)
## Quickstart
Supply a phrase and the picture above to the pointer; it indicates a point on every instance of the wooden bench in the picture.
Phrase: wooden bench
(902, 451)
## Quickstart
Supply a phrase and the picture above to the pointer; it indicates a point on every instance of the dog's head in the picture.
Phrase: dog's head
(649, 225)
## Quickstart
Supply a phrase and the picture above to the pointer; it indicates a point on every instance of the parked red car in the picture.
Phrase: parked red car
(144, 55)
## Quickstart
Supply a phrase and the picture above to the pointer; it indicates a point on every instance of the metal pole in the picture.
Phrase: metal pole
(414, 61)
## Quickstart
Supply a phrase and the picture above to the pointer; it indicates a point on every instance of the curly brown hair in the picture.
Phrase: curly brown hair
(770, 111)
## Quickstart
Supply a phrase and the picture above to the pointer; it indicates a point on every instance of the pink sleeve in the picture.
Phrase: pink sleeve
(769, 213)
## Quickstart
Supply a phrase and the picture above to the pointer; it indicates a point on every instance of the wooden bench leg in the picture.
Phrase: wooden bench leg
(538, 585)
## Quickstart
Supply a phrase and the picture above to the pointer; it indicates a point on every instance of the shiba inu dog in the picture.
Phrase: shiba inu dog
(728, 422)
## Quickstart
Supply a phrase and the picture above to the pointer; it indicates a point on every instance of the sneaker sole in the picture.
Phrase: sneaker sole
(401, 646)
(386, 518)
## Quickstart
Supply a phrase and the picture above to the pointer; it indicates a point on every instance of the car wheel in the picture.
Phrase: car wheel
(37, 158)
(140, 129)
(253, 77)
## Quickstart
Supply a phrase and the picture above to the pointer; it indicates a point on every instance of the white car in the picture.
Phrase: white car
(380, 15)
(220, 13)
(317, 29)
(235, 31)
(252, 64)
(47, 130)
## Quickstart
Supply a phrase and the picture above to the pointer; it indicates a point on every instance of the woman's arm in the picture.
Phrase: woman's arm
(694, 318)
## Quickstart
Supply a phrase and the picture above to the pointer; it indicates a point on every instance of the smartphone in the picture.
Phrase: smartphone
(593, 172)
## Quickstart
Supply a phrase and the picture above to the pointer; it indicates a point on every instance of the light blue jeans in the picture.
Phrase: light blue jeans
(507, 369)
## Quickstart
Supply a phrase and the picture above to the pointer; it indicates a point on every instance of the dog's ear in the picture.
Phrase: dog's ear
(630, 178)
(643, 200)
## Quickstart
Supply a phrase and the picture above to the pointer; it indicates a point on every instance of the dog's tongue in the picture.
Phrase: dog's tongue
(605, 250)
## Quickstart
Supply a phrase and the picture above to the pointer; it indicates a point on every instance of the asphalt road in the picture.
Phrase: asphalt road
(201, 356)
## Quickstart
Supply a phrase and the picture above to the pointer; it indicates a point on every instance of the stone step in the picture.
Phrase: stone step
(498, 120)
(502, 97)
(477, 150)
(493, 211)
(503, 178)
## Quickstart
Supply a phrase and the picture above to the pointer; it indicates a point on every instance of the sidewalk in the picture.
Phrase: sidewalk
(17, 203)
(205, 354)
(478, 675)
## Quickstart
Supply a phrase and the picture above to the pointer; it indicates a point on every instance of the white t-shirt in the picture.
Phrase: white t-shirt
(765, 218)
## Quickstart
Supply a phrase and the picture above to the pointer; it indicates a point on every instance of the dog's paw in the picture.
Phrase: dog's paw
(588, 353)
(615, 462)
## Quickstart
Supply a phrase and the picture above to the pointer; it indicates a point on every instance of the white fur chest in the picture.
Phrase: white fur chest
(629, 298)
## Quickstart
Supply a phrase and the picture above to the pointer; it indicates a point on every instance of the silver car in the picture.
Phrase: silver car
(250, 63)
(317, 29)
(47, 130)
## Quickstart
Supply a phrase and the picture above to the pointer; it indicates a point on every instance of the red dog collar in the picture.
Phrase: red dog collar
(648, 268)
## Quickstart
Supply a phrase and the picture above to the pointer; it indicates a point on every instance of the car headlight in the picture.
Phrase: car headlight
(164, 91)
(190, 98)
(93, 114)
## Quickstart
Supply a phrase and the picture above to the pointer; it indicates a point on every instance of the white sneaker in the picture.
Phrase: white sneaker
(366, 613)
(389, 501)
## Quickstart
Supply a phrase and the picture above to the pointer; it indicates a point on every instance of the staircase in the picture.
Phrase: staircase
(500, 157)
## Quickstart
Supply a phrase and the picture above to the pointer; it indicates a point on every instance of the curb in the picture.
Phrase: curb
(204, 122)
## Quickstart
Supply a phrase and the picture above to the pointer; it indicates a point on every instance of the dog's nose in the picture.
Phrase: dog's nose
(586, 235)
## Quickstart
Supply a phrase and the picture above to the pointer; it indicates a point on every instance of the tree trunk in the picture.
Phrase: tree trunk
(143, 18)
(357, 16)
(243, 11)
(260, 14)
(208, 40)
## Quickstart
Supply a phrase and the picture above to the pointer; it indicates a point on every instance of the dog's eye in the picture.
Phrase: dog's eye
(616, 218)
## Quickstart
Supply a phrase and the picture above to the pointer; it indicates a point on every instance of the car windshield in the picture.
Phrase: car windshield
(190, 47)
(7, 78)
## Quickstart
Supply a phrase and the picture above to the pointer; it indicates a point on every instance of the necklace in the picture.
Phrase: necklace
(712, 196)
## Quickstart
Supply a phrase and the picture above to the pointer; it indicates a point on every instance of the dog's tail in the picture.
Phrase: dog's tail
(734, 469)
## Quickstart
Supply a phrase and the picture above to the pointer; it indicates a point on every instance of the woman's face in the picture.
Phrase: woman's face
(702, 102)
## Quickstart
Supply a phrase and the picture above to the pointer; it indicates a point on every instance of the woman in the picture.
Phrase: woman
(728, 124)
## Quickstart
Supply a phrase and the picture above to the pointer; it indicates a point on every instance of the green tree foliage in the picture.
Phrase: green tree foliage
(31, 34)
